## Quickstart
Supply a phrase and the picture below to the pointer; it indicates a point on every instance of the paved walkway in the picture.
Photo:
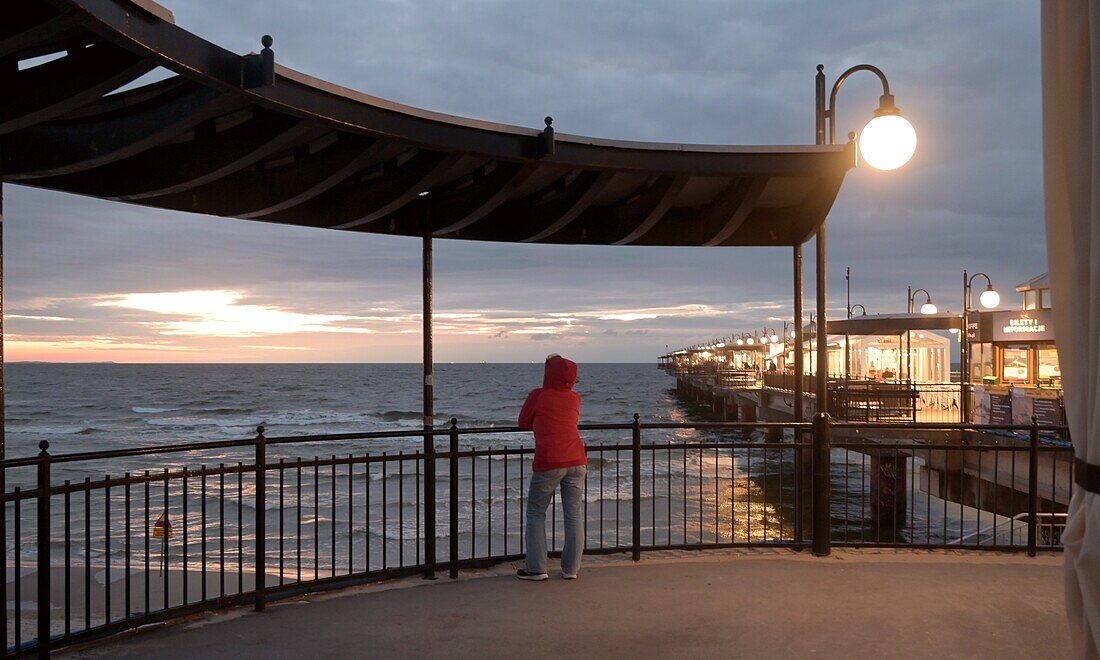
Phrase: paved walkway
(716, 604)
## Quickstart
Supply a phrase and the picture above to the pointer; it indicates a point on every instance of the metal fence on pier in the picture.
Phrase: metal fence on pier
(115, 551)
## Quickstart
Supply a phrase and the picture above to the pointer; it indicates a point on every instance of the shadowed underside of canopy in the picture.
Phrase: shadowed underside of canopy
(224, 135)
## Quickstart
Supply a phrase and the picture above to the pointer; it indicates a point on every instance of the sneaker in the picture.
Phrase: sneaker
(569, 576)
(534, 577)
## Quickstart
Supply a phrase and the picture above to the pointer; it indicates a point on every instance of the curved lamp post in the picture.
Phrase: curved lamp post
(927, 308)
(888, 142)
(988, 299)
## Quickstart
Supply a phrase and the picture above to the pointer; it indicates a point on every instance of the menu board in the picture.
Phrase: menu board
(1047, 412)
(1000, 409)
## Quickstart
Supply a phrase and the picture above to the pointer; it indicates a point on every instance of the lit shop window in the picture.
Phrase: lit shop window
(1049, 371)
(1015, 367)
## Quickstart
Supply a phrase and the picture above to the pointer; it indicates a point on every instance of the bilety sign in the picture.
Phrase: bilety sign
(1033, 325)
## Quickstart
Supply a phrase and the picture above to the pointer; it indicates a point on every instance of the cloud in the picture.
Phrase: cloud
(221, 314)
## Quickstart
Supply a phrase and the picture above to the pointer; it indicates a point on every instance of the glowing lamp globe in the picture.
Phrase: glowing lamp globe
(989, 298)
(740, 342)
(887, 142)
(774, 338)
(928, 308)
(750, 341)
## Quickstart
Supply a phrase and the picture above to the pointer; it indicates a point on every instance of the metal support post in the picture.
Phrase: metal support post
(636, 498)
(429, 408)
(821, 503)
(261, 519)
(43, 644)
(454, 498)
(1033, 488)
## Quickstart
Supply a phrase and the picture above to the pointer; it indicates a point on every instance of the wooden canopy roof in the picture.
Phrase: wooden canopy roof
(893, 324)
(237, 136)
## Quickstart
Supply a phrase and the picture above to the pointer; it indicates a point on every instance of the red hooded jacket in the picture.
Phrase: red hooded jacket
(552, 412)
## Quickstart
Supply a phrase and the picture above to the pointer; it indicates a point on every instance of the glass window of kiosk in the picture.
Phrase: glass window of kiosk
(981, 362)
(1049, 370)
(1015, 365)
(1031, 299)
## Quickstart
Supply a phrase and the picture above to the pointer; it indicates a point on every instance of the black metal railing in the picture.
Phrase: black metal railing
(273, 518)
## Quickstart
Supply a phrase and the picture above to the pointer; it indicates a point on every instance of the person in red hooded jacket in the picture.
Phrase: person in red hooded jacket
(552, 412)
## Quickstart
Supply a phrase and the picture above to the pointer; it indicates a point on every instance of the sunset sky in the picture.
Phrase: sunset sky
(88, 280)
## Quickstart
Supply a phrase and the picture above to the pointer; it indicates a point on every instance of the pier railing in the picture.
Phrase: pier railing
(216, 524)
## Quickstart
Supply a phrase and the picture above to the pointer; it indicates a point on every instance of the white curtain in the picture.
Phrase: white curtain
(1071, 177)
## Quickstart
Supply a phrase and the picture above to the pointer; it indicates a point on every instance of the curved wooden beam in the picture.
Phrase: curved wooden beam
(350, 155)
(49, 90)
(736, 208)
(278, 180)
(698, 225)
(36, 29)
(522, 218)
(451, 213)
(404, 192)
(579, 205)
(185, 165)
(117, 133)
(665, 195)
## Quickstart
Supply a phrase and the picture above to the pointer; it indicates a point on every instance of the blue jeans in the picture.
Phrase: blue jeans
(543, 485)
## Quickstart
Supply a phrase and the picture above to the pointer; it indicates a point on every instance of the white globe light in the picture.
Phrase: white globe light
(750, 341)
(764, 339)
(740, 342)
(989, 299)
(928, 308)
(774, 338)
(887, 142)
(954, 331)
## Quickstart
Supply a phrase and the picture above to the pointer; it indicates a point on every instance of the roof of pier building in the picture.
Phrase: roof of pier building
(894, 324)
(241, 137)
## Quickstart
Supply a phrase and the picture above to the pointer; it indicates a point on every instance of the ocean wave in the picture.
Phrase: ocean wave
(53, 430)
(399, 415)
(145, 410)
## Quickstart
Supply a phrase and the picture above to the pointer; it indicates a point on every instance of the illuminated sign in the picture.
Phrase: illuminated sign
(1033, 325)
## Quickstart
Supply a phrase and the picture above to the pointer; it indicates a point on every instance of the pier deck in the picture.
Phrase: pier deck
(706, 604)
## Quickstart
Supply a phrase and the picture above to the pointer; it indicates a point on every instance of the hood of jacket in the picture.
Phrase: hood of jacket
(559, 373)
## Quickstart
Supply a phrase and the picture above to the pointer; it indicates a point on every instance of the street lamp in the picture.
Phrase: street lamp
(988, 299)
(888, 142)
(928, 307)
(851, 311)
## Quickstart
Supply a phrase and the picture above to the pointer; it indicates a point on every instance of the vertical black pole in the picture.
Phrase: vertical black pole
(43, 550)
(799, 339)
(261, 519)
(821, 335)
(1033, 487)
(636, 496)
(821, 520)
(822, 517)
(964, 355)
(429, 406)
(2, 408)
(847, 335)
(799, 379)
(453, 475)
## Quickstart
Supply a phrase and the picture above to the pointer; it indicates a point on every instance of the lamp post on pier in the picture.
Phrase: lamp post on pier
(989, 299)
(887, 142)
(928, 307)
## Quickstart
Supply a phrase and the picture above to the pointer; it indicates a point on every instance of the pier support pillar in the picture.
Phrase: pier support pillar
(773, 435)
(428, 362)
(889, 493)
(748, 413)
